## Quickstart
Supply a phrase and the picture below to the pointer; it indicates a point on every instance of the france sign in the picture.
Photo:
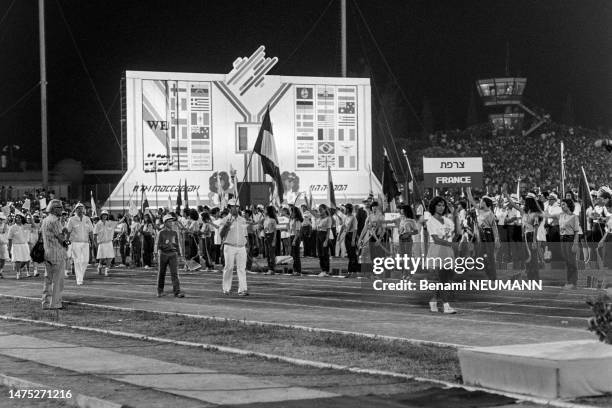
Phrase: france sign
(452, 172)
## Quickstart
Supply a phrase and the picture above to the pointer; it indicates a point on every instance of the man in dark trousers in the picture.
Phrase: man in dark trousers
(168, 249)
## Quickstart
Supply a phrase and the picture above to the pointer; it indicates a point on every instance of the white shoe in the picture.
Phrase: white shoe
(433, 306)
(79, 283)
(448, 310)
(105, 271)
(36, 274)
(323, 274)
(146, 267)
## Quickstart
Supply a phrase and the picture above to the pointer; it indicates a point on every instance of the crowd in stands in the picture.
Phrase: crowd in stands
(535, 158)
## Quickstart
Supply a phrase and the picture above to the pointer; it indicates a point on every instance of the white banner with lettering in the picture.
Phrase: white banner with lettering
(452, 171)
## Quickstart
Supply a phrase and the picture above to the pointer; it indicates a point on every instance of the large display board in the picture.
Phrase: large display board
(200, 128)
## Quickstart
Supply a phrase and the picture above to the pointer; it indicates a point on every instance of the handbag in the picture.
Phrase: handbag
(38, 250)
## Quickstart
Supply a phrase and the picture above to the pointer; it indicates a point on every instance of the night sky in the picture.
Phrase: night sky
(436, 50)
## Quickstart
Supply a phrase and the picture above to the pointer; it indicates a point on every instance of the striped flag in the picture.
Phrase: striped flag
(266, 149)
(331, 195)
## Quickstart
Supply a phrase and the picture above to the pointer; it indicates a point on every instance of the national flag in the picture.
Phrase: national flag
(220, 191)
(132, 207)
(186, 197)
(145, 201)
(179, 202)
(585, 198)
(26, 204)
(169, 202)
(331, 195)
(390, 186)
(310, 200)
(266, 148)
(94, 211)
(198, 203)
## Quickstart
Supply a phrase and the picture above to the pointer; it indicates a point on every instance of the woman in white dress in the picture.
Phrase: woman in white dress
(4, 254)
(441, 231)
(103, 237)
(18, 237)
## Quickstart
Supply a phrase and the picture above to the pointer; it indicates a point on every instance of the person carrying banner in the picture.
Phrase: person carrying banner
(441, 232)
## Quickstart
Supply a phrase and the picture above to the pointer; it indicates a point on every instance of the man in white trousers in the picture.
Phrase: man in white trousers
(235, 238)
(80, 233)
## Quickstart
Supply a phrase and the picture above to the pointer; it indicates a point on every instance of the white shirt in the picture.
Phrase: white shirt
(237, 234)
(79, 229)
(443, 231)
(501, 214)
(553, 209)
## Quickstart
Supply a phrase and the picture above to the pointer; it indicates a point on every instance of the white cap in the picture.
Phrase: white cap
(78, 205)
(167, 217)
(104, 212)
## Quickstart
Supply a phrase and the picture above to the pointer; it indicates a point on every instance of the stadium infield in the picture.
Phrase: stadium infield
(392, 325)
(347, 305)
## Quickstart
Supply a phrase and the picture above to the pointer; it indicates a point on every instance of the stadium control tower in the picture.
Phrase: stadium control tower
(504, 97)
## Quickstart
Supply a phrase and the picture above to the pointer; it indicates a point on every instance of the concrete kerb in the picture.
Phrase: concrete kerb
(305, 363)
(77, 400)
(261, 323)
